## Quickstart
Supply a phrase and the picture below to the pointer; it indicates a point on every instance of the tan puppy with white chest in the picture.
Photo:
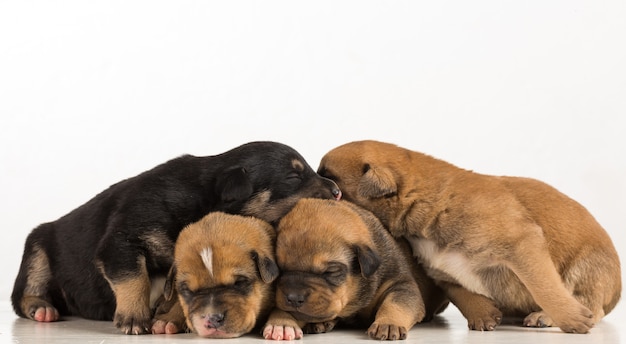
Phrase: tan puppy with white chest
(497, 245)
(223, 272)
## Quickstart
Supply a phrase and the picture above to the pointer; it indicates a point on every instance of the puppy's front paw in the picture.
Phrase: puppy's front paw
(129, 324)
(280, 332)
(577, 320)
(387, 332)
(321, 327)
(484, 320)
(169, 318)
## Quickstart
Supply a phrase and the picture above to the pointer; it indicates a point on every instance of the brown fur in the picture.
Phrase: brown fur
(496, 244)
(338, 263)
(224, 294)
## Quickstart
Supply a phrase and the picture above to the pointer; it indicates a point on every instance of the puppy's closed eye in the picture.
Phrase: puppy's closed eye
(294, 178)
(242, 282)
(336, 273)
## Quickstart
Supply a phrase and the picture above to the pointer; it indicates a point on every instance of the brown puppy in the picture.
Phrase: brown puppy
(496, 244)
(337, 263)
(223, 271)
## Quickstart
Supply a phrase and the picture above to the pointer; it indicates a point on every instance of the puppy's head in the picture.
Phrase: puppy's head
(223, 270)
(265, 180)
(370, 174)
(327, 260)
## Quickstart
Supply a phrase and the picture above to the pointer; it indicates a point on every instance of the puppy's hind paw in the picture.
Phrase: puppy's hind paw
(45, 314)
(387, 332)
(279, 332)
(39, 310)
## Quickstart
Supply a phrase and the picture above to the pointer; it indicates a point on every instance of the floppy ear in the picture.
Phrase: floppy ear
(234, 185)
(267, 267)
(368, 260)
(376, 182)
(170, 282)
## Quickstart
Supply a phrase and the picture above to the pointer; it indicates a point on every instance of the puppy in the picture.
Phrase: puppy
(497, 245)
(337, 262)
(98, 261)
(223, 271)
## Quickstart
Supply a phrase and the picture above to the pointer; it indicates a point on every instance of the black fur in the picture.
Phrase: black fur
(141, 217)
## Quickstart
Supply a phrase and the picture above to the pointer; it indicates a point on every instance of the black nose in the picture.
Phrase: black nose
(214, 320)
(295, 300)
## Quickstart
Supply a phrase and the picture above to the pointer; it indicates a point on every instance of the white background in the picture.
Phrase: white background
(92, 92)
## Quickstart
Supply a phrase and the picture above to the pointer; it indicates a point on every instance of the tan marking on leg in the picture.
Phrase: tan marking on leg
(132, 297)
(39, 273)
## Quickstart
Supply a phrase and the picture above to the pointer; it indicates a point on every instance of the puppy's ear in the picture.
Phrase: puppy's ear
(234, 185)
(170, 282)
(369, 261)
(267, 267)
(376, 182)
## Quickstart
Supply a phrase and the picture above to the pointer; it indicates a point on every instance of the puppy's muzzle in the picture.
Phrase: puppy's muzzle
(334, 189)
(296, 298)
(294, 289)
(215, 320)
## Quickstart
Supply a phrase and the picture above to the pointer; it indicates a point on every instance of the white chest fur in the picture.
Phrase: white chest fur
(452, 262)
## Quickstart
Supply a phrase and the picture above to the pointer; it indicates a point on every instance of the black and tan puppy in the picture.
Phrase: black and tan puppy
(223, 271)
(338, 263)
(98, 261)
(498, 245)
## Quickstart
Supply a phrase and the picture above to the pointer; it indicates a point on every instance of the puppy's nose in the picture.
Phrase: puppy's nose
(334, 189)
(337, 193)
(295, 300)
(214, 320)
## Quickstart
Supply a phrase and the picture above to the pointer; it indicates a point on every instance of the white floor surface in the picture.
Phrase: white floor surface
(450, 327)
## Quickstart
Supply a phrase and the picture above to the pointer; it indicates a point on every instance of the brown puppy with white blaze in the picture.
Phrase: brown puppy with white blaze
(338, 263)
(223, 272)
(497, 245)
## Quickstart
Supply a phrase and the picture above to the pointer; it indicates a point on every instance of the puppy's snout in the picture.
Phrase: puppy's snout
(295, 299)
(337, 193)
(334, 189)
(214, 320)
